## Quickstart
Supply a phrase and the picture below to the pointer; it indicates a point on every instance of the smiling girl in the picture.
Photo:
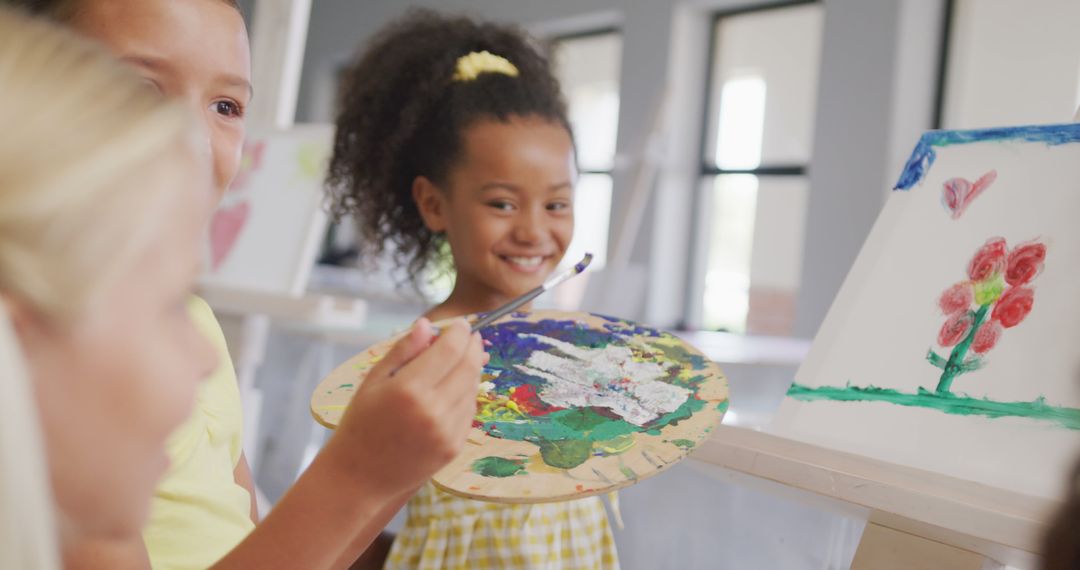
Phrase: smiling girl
(454, 133)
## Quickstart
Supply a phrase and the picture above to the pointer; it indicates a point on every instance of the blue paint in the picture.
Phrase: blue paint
(583, 263)
(922, 158)
(510, 343)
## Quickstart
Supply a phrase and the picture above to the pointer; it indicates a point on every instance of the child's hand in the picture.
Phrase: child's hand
(411, 415)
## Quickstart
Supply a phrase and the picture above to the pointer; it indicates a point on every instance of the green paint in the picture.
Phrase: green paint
(582, 420)
(723, 406)
(683, 443)
(565, 453)
(499, 467)
(620, 444)
(346, 386)
(587, 424)
(943, 402)
(628, 472)
(956, 365)
(568, 438)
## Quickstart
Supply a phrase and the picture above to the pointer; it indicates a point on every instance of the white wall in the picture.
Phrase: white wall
(1013, 63)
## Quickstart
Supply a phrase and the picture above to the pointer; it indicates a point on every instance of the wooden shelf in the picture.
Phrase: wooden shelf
(312, 310)
(1002, 525)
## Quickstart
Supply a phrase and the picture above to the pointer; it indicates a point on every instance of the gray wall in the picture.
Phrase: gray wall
(877, 84)
(878, 74)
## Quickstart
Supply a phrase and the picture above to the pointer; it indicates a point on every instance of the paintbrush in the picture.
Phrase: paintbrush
(551, 283)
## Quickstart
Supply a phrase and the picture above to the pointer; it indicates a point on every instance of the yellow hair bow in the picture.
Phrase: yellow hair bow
(470, 66)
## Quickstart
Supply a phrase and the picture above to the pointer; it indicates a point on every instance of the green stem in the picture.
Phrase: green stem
(953, 367)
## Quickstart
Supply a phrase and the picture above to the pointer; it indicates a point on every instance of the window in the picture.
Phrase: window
(1010, 63)
(753, 192)
(587, 67)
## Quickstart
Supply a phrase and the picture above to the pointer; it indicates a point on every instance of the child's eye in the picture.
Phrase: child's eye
(228, 108)
(153, 84)
(501, 205)
(558, 206)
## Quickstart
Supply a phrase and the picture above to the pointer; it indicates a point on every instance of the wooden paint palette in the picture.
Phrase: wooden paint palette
(571, 405)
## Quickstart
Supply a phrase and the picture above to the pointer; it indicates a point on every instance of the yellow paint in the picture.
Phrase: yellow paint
(536, 465)
(492, 408)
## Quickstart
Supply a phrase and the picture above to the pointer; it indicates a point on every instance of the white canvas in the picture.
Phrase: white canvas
(887, 316)
(266, 232)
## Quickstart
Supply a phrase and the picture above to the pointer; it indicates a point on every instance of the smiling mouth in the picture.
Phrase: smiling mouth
(527, 262)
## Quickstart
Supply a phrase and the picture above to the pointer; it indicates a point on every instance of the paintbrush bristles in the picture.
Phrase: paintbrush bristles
(583, 263)
(516, 303)
(575, 270)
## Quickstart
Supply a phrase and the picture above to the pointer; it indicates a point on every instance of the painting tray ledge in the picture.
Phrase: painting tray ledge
(1003, 525)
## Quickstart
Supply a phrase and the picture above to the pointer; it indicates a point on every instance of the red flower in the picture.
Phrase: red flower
(986, 337)
(957, 298)
(989, 260)
(955, 329)
(1013, 307)
(1025, 262)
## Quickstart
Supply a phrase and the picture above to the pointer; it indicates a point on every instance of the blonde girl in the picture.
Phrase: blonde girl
(102, 197)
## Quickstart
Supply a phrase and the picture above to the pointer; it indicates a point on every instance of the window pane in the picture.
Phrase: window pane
(754, 237)
(1012, 63)
(764, 87)
(588, 69)
(592, 215)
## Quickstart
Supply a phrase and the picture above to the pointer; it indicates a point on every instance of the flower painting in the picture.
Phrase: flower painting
(951, 347)
(996, 295)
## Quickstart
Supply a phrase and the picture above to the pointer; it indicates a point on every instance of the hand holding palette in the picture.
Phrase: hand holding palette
(571, 405)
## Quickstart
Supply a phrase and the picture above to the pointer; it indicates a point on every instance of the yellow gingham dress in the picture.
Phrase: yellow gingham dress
(445, 532)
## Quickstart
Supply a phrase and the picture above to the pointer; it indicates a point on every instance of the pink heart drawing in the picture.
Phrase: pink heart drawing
(225, 227)
(959, 193)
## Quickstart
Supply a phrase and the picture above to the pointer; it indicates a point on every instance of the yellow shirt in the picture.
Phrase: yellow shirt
(199, 513)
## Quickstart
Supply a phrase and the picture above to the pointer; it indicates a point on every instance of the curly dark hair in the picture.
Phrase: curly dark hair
(402, 115)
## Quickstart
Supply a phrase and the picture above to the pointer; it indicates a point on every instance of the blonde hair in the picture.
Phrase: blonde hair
(77, 126)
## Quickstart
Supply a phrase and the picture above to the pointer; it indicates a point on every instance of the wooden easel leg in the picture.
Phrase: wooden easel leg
(883, 548)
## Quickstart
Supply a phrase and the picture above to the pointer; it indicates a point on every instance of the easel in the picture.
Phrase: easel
(916, 519)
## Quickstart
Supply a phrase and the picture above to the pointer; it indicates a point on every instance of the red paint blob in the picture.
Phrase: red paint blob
(957, 298)
(955, 329)
(986, 337)
(989, 260)
(1025, 263)
(529, 401)
(1013, 307)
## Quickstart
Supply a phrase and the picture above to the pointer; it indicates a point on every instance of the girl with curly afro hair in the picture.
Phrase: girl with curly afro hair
(453, 133)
